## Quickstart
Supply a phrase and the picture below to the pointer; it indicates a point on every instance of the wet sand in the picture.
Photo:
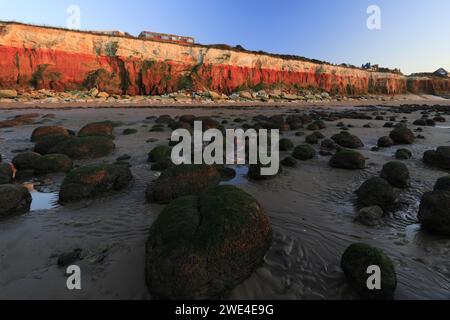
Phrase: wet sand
(312, 209)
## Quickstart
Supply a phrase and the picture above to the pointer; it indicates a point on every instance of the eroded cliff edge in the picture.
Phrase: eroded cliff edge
(33, 57)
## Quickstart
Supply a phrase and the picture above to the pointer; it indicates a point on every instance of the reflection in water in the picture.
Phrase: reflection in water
(41, 200)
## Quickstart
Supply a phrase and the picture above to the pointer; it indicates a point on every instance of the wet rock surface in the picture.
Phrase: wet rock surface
(93, 181)
(203, 246)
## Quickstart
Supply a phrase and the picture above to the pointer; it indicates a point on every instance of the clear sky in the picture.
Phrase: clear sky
(414, 35)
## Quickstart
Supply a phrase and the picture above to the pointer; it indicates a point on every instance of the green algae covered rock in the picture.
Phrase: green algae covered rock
(94, 180)
(202, 246)
(52, 163)
(89, 147)
(181, 181)
(355, 263)
(14, 199)
(348, 159)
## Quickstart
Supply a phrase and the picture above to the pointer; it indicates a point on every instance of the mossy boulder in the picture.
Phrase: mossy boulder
(439, 158)
(6, 173)
(89, 147)
(25, 160)
(347, 140)
(45, 131)
(385, 142)
(397, 174)
(403, 154)
(355, 263)
(255, 173)
(164, 119)
(286, 144)
(312, 139)
(434, 213)
(159, 153)
(348, 159)
(329, 144)
(103, 129)
(182, 181)
(162, 164)
(289, 162)
(304, 152)
(129, 131)
(94, 180)
(53, 163)
(402, 135)
(208, 123)
(377, 192)
(442, 184)
(45, 144)
(203, 246)
(370, 216)
(14, 199)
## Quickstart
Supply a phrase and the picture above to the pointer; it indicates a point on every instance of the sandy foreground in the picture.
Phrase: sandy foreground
(311, 208)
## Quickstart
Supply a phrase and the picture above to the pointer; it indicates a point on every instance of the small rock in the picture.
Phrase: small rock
(370, 216)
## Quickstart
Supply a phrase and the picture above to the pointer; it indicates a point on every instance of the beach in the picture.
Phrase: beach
(312, 208)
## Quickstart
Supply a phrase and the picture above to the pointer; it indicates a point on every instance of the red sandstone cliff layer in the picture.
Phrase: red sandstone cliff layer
(48, 58)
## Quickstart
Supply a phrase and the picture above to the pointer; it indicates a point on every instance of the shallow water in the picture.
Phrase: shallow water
(240, 178)
(312, 209)
(43, 201)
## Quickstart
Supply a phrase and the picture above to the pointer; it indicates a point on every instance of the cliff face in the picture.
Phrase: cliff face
(38, 57)
(431, 85)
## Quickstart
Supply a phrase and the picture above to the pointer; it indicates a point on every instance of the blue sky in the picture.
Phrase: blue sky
(414, 34)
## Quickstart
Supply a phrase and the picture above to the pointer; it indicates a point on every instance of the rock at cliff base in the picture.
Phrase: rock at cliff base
(348, 159)
(104, 129)
(203, 246)
(439, 158)
(52, 163)
(397, 174)
(8, 94)
(181, 181)
(377, 192)
(434, 213)
(89, 147)
(94, 180)
(42, 132)
(356, 261)
(14, 199)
